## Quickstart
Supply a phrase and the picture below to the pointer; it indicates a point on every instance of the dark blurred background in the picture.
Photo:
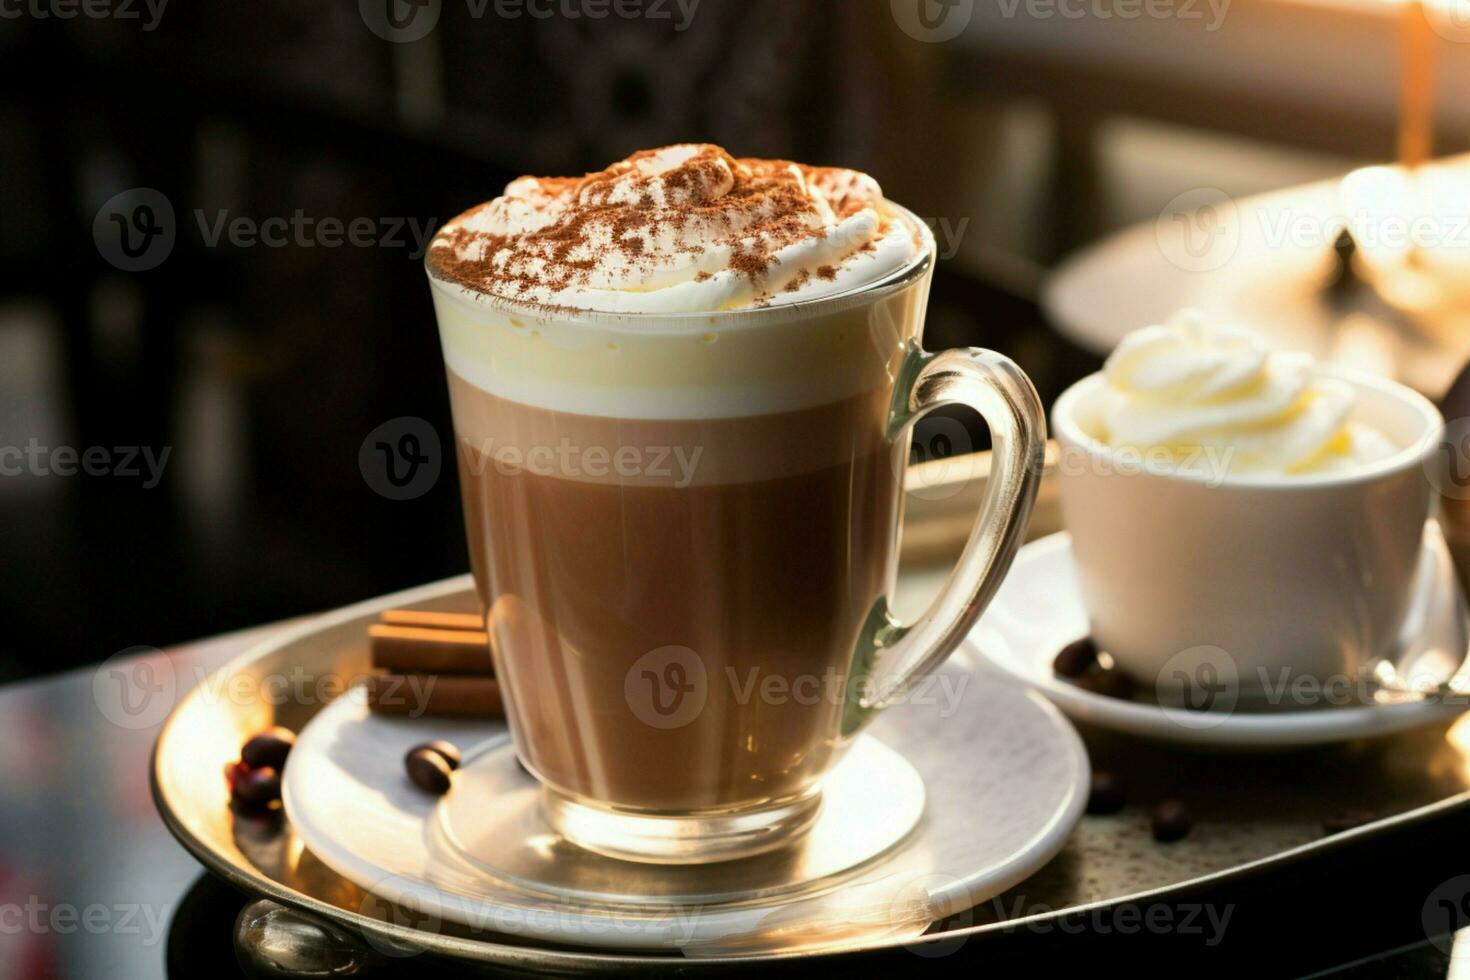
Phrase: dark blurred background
(261, 367)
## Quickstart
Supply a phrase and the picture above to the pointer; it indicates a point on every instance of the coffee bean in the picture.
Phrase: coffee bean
(1107, 793)
(447, 751)
(258, 787)
(268, 749)
(429, 771)
(1347, 820)
(1076, 658)
(1171, 821)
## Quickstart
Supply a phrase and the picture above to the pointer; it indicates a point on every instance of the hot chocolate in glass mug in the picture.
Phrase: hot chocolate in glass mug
(682, 392)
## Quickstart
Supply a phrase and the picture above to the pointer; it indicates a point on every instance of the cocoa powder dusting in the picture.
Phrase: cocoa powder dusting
(632, 216)
(798, 281)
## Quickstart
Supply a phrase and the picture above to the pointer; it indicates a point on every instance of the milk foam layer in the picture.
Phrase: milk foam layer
(1192, 385)
(681, 229)
(687, 366)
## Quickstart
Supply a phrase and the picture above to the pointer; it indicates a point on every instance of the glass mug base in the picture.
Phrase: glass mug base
(705, 837)
(494, 825)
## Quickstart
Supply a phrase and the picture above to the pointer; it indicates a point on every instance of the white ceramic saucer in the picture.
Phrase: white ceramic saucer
(1039, 610)
(1004, 780)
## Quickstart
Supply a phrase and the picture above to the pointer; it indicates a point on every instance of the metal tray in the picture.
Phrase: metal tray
(1258, 811)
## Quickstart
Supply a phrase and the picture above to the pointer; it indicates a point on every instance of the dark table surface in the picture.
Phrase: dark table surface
(90, 880)
(93, 885)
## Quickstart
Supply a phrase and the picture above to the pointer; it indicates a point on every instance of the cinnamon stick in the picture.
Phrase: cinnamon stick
(418, 695)
(425, 650)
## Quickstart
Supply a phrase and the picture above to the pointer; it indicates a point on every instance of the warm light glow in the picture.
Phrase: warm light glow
(543, 844)
(1376, 202)
(1459, 737)
(1449, 19)
(1410, 221)
(1380, 7)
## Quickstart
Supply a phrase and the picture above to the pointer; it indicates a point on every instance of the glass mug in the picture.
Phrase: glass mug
(684, 529)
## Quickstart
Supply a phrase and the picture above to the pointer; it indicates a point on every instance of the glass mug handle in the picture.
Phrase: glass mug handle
(893, 657)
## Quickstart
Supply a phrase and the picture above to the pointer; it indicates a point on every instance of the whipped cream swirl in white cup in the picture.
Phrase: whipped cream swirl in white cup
(1211, 394)
(1240, 518)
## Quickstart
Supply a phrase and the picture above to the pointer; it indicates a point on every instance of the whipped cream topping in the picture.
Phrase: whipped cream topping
(681, 229)
(1190, 385)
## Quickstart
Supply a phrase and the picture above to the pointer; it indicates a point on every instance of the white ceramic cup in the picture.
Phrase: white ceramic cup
(1272, 577)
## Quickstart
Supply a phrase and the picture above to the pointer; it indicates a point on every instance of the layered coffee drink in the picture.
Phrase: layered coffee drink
(673, 386)
(732, 582)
